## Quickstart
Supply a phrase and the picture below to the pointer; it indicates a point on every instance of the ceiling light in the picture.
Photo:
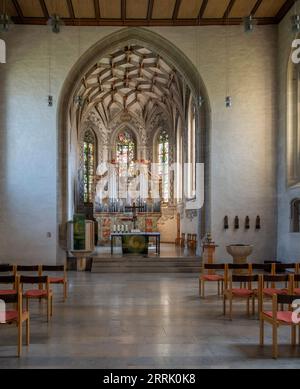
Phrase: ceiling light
(55, 22)
(249, 23)
(5, 21)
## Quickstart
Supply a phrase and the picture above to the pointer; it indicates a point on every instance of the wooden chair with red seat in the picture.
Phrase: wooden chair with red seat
(43, 292)
(210, 275)
(16, 317)
(8, 280)
(62, 280)
(279, 318)
(247, 293)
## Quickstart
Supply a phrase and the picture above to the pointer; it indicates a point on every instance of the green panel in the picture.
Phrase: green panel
(135, 245)
(79, 232)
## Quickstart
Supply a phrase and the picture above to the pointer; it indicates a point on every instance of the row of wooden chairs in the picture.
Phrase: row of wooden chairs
(257, 288)
(14, 277)
(189, 240)
(218, 273)
(278, 282)
(41, 270)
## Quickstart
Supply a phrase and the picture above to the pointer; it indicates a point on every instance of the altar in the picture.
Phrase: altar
(136, 243)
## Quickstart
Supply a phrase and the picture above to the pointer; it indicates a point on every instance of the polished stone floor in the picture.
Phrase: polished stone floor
(142, 321)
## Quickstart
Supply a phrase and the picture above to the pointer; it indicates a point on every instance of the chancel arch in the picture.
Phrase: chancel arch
(134, 80)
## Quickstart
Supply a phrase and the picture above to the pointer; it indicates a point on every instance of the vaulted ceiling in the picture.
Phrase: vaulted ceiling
(147, 12)
(132, 79)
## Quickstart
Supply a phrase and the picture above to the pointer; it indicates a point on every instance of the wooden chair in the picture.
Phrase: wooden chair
(63, 280)
(189, 239)
(209, 274)
(247, 293)
(8, 280)
(279, 318)
(16, 317)
(44, 293)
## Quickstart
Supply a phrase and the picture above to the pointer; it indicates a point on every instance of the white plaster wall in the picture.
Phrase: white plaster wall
(243, 138)
(288, 243)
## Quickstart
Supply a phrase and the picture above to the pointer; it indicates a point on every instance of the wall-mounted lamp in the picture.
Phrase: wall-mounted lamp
(50, 101)
(236, 223)
(226, 223)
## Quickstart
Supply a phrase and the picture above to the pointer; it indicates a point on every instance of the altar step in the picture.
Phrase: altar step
(146, 265)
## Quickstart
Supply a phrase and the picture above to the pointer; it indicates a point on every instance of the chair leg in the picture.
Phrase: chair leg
(48, 309)
(51, 306)
(262, 332)
(20, 339)
(28, 331)
(293, 335)
(248, 306)
(65, 291)
(275, 341)
(203, 288)
(200, 290)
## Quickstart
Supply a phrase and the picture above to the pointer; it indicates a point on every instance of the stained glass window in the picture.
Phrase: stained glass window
(163, 160)
(89, 155)
(126, 156)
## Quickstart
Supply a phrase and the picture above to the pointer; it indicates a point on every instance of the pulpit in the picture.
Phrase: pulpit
(209, 253)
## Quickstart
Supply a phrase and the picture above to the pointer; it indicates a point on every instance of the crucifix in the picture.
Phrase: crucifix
(134, 210)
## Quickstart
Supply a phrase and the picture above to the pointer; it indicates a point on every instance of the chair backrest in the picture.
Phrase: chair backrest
(28, 269)
(286, 299)
(244, 279)
(214, 266)
(275, 278)
(52, 268)
(7, 280)
(7, 269)
(283, 267)
(34, 280)
(9, 298)
(266, 267)
(238, 266)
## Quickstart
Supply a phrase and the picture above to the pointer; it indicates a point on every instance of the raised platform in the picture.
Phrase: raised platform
(146, 265)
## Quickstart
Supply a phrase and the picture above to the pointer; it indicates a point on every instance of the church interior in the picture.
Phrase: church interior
(150, 184)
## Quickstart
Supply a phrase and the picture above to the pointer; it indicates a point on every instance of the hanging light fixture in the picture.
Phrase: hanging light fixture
(249, 23)
(55, 22)
(295, 20)
(5, 19)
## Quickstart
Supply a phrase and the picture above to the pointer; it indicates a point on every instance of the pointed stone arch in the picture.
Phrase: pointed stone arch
(175, 58)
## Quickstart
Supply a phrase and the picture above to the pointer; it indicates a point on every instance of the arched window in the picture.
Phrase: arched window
(163, 163)
(179, 159)
(191, 179)
(295, 216)
(126, 151)
(89, 167)
(293, 133)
